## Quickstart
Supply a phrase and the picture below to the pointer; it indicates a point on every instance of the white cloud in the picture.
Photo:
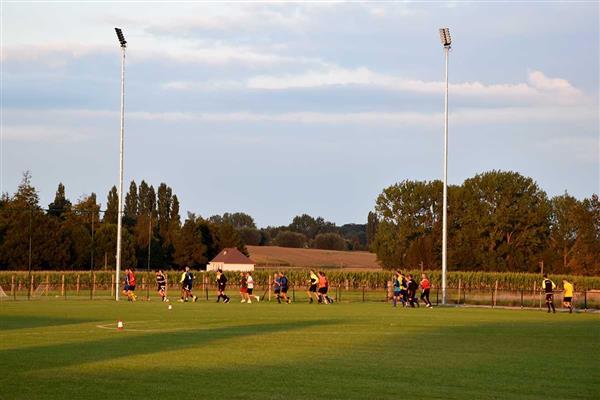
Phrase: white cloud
(538, 88)
(45, 119)
(44, 133)
(185, 52)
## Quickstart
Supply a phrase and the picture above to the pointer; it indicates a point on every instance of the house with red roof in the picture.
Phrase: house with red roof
(231, 259)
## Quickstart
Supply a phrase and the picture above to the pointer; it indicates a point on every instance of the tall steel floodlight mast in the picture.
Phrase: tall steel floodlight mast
(120, 212)
(446, 42)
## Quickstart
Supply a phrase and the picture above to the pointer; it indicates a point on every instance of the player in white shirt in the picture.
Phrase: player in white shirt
(250, 282)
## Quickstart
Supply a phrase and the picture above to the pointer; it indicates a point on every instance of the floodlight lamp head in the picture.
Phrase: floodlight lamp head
(121, 37)
(445, 37)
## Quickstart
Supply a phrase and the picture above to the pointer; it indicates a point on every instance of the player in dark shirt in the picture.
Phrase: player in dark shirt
(412, 288)
(549, 287)
(161, 285)
(187, 284)
(221, 284)
(284, 282)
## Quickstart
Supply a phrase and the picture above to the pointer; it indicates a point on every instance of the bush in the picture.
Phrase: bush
(290, 239)
(329, 241)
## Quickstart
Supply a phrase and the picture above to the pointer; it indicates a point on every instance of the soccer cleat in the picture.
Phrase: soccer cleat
(194, 299)
(249, 301)
(226, 300)
(257, 298)
(243, 301)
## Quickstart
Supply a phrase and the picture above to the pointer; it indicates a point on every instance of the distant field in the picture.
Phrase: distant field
(267, 256)
(72, 350)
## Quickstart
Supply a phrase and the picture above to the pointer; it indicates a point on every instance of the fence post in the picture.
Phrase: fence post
(94, 286)
(270, 286)
(363, 294)
(12, 287)
(30, 292)
(62, 285)
(437, 296)
(495, 292)
(77, 284)
(459, 285)
(585, 300)
(112, 286)
(206, 286)
(521, 297)
(294, 293)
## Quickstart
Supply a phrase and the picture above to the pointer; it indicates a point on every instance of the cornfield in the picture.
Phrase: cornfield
(378, 279)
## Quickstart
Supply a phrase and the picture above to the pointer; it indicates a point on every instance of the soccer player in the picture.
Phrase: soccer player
(244, 288)
(285, 283)
(221, 283)
(549, 287)
(403, 290)
(187, 285)
(426, 287)
(312, 290)
(323, 288)
(161, 283)
(568, 295)
(277, 286)
(412, 287)
(129, 288)
(396, 287)
(250, 285)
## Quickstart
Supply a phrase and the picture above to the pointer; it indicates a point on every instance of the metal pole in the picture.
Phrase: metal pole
(29, 261)
(120, 193)
(445, 205)
(148, 267)
(92, 256)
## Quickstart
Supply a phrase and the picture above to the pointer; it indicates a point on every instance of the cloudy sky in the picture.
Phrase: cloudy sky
(281, 109)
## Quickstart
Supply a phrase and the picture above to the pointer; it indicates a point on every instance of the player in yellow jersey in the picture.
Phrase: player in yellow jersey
(568, 295)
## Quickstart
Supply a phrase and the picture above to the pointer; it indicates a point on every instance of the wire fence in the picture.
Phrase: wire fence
(88, 287)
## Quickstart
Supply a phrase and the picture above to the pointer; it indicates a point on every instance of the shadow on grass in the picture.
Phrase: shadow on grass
(11, 322)
(123, 345)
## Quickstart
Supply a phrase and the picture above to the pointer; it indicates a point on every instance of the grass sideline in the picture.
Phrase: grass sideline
(71, 349)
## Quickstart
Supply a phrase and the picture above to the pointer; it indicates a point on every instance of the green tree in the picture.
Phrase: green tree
(130, 208)
(61, 204)
(290, 239)
(106, 247)
(586, 252)
(239, 220)
(563, 229)
(26, 195)
(146, 199)
(329, 241)
(511, 215)
(372, 223)
(228, 237)
(250, 236)
(112, 206)
(408, 213)
(190, 250)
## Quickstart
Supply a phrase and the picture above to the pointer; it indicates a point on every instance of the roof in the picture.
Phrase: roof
(232, 255)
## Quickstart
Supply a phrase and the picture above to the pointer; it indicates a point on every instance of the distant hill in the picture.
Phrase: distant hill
(274, 256)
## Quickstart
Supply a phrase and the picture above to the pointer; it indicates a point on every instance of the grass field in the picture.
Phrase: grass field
(71, 350)
(266, 256)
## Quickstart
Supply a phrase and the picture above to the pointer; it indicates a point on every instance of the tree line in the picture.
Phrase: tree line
(497, 221)
(79, 235)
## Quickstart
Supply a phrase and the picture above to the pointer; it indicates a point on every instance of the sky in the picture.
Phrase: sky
(280, 109)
